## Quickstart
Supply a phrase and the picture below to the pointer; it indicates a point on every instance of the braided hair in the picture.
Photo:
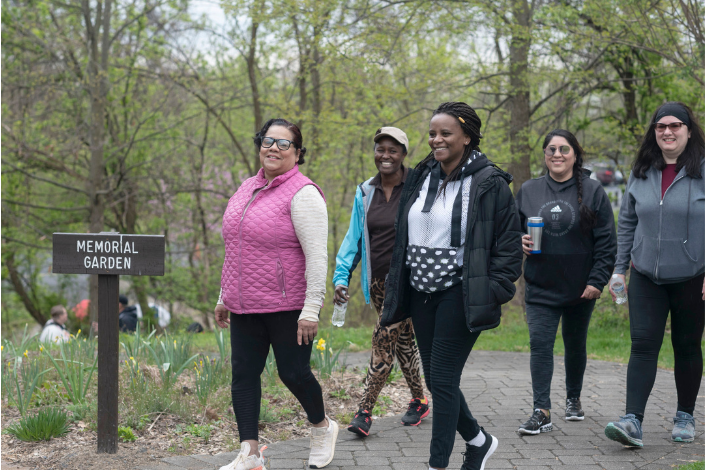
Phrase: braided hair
(470, 125)
(587, 220)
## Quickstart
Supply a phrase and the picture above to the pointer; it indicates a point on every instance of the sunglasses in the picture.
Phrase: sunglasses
(282, 144)
(563, 149)
(673, 126)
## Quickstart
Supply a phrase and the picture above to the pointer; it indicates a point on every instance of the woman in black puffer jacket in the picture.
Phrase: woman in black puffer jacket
(457, 254)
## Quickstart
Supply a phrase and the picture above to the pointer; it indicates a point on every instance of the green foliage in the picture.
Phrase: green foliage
(43, 426)
(20, 381)
(134, 344)
(200, 430)
(171, 357)
(341, 394)
(205, 378)
(125, 434)
(395, 374)
(324, 359)
(138, 381)
(381, 406)
(75, 365)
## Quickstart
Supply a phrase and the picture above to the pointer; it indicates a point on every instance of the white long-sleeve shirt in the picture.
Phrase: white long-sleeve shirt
(310, 220)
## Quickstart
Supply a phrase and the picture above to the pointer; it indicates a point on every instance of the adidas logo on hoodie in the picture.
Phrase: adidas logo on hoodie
(556, 209)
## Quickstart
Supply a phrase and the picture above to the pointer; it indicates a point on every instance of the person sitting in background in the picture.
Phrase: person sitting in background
(127, 318)
(54, 329)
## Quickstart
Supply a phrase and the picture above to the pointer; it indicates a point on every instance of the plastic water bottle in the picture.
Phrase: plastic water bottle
(339, 313)
(618, 287)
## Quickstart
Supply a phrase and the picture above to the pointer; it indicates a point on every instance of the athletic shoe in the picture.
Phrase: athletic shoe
(538, 422)
(417, 410)
(627, 431)
(323, 444)
(361, 422)
(683, 427)
(247, 462)
(573, 409)
(475, 457)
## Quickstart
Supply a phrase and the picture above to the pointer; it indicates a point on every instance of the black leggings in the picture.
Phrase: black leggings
(543, 322)
(250, 338)
(444, 345)
(650, 304)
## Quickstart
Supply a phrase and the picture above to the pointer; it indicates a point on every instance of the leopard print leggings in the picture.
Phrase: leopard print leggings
(389, 342)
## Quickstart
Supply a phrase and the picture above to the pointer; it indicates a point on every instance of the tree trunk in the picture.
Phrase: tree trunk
(520, 106)
(520, 94)
(251, 61)
(19, 288)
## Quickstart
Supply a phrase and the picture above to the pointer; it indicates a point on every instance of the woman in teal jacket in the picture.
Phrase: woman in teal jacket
(370, 238)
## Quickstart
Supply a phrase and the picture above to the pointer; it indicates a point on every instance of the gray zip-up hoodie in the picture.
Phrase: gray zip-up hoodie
(664, 237)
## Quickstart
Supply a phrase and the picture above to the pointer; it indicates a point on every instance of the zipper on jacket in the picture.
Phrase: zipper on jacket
(659, 235)
(240, 241)
(280, 278)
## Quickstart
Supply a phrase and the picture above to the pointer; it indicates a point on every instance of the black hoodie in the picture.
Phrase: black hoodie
(570, 260)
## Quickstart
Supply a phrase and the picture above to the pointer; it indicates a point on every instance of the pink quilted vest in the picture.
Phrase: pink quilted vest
(264, 263)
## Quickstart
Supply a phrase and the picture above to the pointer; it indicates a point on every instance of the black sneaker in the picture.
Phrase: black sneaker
(475, 457)
(573, 409)
(538, 422)
(361, 422)
(417, 410)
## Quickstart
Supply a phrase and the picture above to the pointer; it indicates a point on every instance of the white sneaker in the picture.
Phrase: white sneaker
(247, 462)
(323, 444)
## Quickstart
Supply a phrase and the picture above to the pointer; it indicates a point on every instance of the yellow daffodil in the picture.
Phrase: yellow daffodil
(26, 351)
(41, 348)
(321, 345)
(79, 332)
(2, 347)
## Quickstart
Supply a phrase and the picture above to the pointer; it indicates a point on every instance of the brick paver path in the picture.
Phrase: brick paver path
(497, 387)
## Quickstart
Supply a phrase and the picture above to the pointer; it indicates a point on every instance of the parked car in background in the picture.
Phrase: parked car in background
(606, 176)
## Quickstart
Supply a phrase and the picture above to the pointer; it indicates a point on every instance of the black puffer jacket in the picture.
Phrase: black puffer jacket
(492, 259)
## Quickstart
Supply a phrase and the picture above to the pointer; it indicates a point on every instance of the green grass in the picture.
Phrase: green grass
(692, 466)
(608, 335)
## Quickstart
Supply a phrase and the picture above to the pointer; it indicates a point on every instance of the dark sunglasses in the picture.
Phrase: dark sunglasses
(673, 126)
(563, 149)
(282, 144)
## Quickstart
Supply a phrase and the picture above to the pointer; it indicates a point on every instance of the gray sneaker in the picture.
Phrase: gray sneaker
(683, 427)
(627, 431)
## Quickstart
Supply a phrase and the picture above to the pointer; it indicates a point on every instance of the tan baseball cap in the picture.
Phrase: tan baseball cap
(395, 133)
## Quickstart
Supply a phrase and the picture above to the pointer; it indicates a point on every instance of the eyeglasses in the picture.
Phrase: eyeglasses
(673, 126)
(563, 149)
(282, 144)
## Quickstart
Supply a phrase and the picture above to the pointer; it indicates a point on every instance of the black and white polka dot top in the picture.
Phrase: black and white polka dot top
(434, 253)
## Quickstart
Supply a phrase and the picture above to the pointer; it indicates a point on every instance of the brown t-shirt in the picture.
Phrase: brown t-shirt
(381, 225)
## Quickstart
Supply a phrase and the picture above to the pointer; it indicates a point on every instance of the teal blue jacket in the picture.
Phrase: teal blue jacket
(354, 247)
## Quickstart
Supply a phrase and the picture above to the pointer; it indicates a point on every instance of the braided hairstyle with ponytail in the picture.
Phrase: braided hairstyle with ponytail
(587, 220)
(470, 124)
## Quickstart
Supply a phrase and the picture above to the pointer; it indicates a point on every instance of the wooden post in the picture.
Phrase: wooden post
(108, 254)
(108, 335)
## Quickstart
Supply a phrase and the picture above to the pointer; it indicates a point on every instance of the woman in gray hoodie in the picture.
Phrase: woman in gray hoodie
(661, 237)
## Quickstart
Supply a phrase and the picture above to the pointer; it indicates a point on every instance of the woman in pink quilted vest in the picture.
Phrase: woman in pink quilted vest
(272, 287)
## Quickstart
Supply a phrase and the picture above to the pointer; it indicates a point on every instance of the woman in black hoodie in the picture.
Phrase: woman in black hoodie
(457, 253)
(565, 279)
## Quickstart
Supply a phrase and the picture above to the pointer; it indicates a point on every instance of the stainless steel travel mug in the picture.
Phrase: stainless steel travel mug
(535, 225)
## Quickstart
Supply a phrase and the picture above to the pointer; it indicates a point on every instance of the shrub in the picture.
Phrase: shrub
(125, 434)
(48, 423)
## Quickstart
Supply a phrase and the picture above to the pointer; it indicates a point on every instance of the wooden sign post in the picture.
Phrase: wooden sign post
(108, 254)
